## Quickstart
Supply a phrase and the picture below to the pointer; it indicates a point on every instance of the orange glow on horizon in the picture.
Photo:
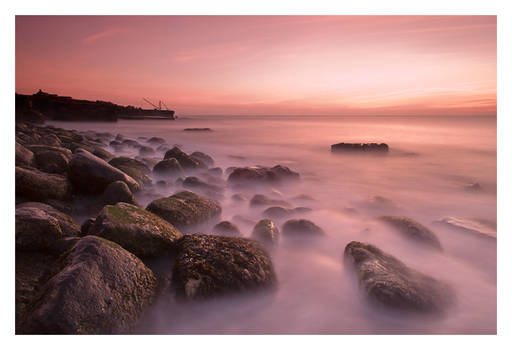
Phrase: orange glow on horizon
(265, 64)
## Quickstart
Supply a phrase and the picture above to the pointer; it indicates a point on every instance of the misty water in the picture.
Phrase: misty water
(426, 176)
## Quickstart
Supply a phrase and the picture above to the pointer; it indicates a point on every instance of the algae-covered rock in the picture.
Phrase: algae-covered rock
(388, 281)
(186, 161)
(37, 185)
(262, 175)
(266, 231)
(168, 167)
(36, 230)
(137, 230)
(91, 174)
(185, 209)
(116, 192)
(413, 230)
(101, 289)
(134, 168)
(208, 266)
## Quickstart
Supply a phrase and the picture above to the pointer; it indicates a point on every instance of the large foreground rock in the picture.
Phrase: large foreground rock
(135, 229)
(101, 289)
(388, 281)
(208, 266)
(91, 174)
(262, 175)
(66, 223)
(36, 230)
(36, 185)
(413, 230)
(185, 208)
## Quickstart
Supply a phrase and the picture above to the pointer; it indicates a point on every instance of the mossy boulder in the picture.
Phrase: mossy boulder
(137, 230)
(208, 266)
(413, 230)
(186, 161)
(100, 289)
(301, 228)
(389, 282)
(185, 209)
(36, 185)
(266, 231)
(91, 174)
(262, 175)
(226, 228)
(66, 223)
(134, 168)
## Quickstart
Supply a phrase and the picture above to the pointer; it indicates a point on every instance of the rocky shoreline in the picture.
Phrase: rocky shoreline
(96, 275)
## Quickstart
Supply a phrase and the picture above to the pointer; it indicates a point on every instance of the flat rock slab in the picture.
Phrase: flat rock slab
(101, 289)
(359, 147)
(185, 209)
(135, 229)
(387, 281)
(208, 266)
(413, 230)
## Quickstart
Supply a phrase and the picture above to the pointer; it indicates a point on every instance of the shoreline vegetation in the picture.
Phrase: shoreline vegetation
(100, 275)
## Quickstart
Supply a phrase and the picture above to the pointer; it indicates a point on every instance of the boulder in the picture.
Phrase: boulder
(36, 185)
(412, 230)
(50, 140)
(301, 228)
(360, 147)
(156, 141)
(66, 223)
(146, 151)
(101, 289)
(262, 175)
(209, 266)
(116, 192)
(262, 200)
(91, 174)
(102, 153)
(185, 209)
(203, 157)
(134, 168)
(24, 156)
(226, 228)
(186, 161)
(168, 167)
(36, 230)
(388, 281)
(215, 171)
(266, 231)
(54, 162)
(237, 197)
(276, 212)
(195, 183)
(136, 230)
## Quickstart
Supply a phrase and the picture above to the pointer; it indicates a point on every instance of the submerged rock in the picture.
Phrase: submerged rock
(276, 212)
(195, 183)
(226, 228)
(478, 228)
(197, 129)
(136, 230)
(101, 289)
(185, 209)
(413, 230)
(156, 140)
(208, 266)
(262, 175)
(262, 200)
(37, 185)
(359, 147)
(388, 281)
(301, 228)
(91, 174)
(266, 231)
(66, 223)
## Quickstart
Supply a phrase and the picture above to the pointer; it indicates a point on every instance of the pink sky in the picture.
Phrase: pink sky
(265, 64)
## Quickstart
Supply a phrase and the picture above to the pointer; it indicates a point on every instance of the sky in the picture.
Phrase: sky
(339, 65)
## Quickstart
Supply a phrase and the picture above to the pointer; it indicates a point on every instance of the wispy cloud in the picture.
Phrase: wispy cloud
(102, 35)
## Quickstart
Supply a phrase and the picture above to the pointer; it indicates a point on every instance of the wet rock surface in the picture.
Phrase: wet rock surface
(412, 230)
(301, 228)
(185, 209)
(36, 185)
(226, 228)
(186, 161)
(266, 231)
(209, 266)
(67, 224)
(36, 230)
(136, 230)
(262, 175)
(389, 282)
(91, 174)
(100, 289)
(134, 168)
(168, 167)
